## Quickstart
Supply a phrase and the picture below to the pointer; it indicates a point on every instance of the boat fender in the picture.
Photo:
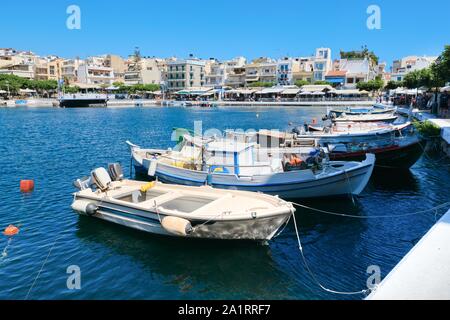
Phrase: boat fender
(152, 167)
(85, 207)
(177, 226)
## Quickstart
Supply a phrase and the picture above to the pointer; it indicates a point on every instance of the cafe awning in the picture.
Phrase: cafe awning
(291, 91)
(270, 91)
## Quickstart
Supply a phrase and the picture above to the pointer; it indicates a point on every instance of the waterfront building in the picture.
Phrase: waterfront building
(285, 70)
(48, 68)
(336, 77)
(185, 74)
(41, 70)
(217, 72)
(118, 65)
(382, 73)
(93, 71)
(21, 70)
(69, 70)
(305, 71)
(19, 63)
(357, 69)
(235, 72)
(402, 67)
(54, 67)
(260, 70)
(144, 71)
(8, 52)
(322, 63)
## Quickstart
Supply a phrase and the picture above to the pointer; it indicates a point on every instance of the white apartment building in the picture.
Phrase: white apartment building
(217, 74)
(92, 71)
(403, 66)
(357, 70)
(285, 70)
(322, 63)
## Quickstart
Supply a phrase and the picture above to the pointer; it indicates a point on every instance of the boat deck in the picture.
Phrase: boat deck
(424, 273)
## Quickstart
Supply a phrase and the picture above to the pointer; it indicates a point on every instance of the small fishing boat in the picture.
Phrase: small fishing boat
(375, 109)
(344, 131)
(180, 211)
(395, 146)
(228, 164)
(383, 117)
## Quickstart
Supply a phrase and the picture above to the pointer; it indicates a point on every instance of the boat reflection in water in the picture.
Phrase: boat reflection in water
(215, 269)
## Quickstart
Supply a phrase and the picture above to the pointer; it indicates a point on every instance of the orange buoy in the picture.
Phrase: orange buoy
(26, 185)
(11, 231)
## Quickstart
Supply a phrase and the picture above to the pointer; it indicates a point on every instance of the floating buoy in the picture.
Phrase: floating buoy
(26, 185)
(11, 231)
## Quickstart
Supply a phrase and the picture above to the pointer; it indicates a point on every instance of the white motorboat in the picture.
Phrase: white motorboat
(383, 117)
(183, 211)
(229, 164)
(375, 109)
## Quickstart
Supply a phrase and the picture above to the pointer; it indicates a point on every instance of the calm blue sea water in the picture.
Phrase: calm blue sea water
(56, 146)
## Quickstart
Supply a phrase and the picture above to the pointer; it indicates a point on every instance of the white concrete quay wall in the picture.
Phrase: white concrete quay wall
(424, 273)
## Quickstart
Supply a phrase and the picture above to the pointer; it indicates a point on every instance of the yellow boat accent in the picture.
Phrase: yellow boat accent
(148, 186)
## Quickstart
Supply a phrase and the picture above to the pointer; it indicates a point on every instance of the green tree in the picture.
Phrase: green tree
(391, 85)
(322, 82)
(301, 83)
(371, 85)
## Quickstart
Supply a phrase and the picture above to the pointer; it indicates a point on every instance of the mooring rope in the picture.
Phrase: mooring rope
(305, 262)
(313, 276)
(443, 205)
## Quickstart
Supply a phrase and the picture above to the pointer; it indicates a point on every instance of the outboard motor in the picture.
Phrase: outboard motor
(101, 178)
(115, 171)
(83, 183)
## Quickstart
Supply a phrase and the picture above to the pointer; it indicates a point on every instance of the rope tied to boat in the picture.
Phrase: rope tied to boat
(313, 276)
(441, 206)
(305, 262)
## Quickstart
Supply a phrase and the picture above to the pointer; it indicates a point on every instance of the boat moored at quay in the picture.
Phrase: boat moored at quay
(180, 211)
(395, 146)
(83, 100)
(226, 164)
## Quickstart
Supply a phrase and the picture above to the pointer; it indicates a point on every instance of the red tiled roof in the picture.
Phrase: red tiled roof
(339, 73)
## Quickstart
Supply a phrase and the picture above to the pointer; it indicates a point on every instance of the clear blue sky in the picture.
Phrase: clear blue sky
(225, 28)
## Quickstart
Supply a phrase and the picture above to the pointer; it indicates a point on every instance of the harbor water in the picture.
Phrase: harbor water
(55, 146)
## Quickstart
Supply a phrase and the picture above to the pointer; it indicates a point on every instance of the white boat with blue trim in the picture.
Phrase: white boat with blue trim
(180, 211)
(230, 164)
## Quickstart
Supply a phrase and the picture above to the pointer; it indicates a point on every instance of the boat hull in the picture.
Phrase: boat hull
(260, 229)
(392, 157)
(82, 103)
(287, 185)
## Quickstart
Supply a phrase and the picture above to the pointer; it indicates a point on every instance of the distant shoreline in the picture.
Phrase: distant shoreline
(150, 103)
